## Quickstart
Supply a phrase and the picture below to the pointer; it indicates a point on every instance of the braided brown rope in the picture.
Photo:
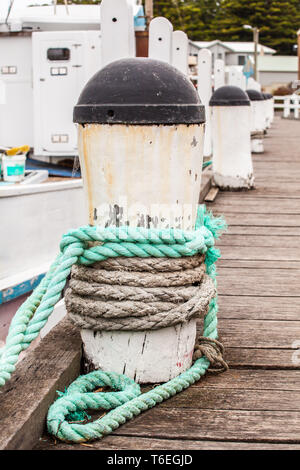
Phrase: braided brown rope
(120, 296)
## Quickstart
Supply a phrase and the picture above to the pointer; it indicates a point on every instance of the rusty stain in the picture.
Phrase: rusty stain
(194, 142)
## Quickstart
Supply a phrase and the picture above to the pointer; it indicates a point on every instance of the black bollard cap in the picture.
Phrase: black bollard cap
(229, 96)
(255, 95)
(139, 91)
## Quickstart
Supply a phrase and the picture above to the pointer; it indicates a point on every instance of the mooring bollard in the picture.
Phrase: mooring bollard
(258, 120)
(141, 131)
(265, 102)
(205, 92)
(231, 118)
(269, 109)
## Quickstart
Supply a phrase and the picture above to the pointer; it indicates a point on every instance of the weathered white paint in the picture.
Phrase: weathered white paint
(152, 175)
(144, 171)
(146, 356)
(258, 122)
(160, 39)
(243, 81)
(59, 312)
(117, 30)
(219, 73)
(233, 76)
(33, 220)
(270, 111)
(2, 92)
(180, 45)
(252, 84)
(232, 163)
(205, 92)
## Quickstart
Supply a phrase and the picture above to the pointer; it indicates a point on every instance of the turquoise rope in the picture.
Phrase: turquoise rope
(125, 401)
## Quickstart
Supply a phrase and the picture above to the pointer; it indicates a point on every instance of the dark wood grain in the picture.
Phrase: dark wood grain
(256, 404)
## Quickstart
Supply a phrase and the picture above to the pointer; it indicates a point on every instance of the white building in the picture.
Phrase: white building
(233, 53)
(276, 71)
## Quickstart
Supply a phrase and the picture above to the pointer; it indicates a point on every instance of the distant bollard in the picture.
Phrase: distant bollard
(266, 108)
(141, 131)
(231, 120)
(258, 120)
(269, 109)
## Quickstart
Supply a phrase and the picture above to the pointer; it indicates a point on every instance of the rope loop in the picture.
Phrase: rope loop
(213, 350)
(88, 245)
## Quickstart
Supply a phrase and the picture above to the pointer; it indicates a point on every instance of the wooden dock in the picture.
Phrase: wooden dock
(256, 404)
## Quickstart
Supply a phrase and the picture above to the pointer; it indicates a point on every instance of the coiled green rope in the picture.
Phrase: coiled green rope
(31, 317)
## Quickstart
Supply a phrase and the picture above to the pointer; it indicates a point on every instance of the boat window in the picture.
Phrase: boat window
(58, 53)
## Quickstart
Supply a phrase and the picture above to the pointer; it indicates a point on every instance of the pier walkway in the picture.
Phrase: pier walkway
(256, 404)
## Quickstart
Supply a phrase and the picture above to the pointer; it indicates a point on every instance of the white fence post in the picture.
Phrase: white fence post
(286, 107)
(160, 39)
(296, 107)
(219, 74)
(205, 92)
(117, 30)
(180, 43)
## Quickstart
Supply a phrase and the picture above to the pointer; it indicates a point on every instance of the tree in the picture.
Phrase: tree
(278, 22)
(192, 16)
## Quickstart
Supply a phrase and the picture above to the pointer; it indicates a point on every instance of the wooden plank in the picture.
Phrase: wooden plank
(264, 308)
(263, 219)
(139, 443)
(252, 206)
(230, 399)
(239, 425)
(256, 264)
(249, 379)
(261, 230)
(260, 358)
(260, 253)
(212, 194)
(244, 240)
(259, 334)
(25, 399)
(263, 282)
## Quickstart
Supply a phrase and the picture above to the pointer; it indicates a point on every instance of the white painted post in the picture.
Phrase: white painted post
(286, 108)
(258, 120)
(243, 82)
(2, 92)
(219, 74)
(160, 39)
(205, 92)
(180, 45)
(296, 107)
(117, 30)
(232, 77)
(240, 80)
(152, 174)
(253, 84)
(231, 118)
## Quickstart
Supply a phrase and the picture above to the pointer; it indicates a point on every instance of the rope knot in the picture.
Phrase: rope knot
(213, 350)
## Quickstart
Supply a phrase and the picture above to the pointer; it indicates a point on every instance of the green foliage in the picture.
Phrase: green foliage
(205, 20)
(278, 21)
